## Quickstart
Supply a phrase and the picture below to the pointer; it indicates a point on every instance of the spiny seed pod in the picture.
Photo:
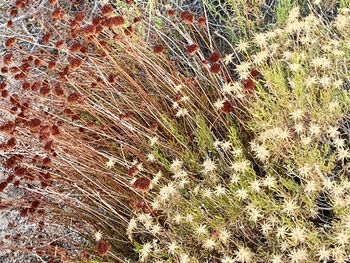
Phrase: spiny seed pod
(107, 9)
(158, 49)
(192, 49)
(8, 58)
(171, 12)
(133, 171)
(214, 57)
(202, 21)
(227, 107)
(9, 23)
(102, 247)
(74, 97)
(46, 38)
(13, 11)
(75, 63)
(142, 184)
(187, 17)
(116, 21)
(10, 42)
(215, 68)
(128, 31)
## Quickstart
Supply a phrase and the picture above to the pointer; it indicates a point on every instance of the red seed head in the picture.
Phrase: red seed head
(142, 184)
(8, 58)
(255, 73)
(13, 11)
(214, 57)
(192, 49)
(52, 2)
(10, 42)
(187, 17)
(102, 247)
(107, 9)
(34, 123)
(215, 68)
(46, 38)
(202, 21)
(89, 31)
(133, 171)
(3, 185)
(74, 97)
(158, 49)
(57, 14)
(9, 23)
(171, 12)
(227, 107)
(248, 85)
(59, 44)
(128, 31)
(75, 63)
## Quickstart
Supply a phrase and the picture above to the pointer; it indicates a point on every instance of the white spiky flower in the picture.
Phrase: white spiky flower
(277, 259)
(240, 166)
(290, 206)
(281, 232)
(243, 69)
(323, 254)
(201, 230)
(242, 194)
(226, 145)
(228, 59)
(182, 112)
(145, 251)
(98, 235)
(242, 46)
(209, 244)
(269, 181)
(153, 140)
(220, 190)
(184, 258)
(298, 255)
(110, 163)
(224, 235)
(254, 214)
(343, 154)
(219, 104)
(297, 234)
(260, 151)
(173, 246)
(208, 166)
(151, 158)
(255, 186)
(297, 114)
(244, 255)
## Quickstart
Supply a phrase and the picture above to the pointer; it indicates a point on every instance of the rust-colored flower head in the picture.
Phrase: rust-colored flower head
(215, 68)
(3, 185)
(59, 44)
(158, 49)
(192, 49)
(214, 57)
(255, 73)
(171, 12)
(10, 42)
(142, 184)
(89, 31)
(57, 14)
(9, 23)
(75, 63)
(13, 11)
(133, 171)
(187, 17)
(128, 31)
(7, 59)
(44, 90)
(248, 85)
(46, 38)
(227, 107)
(79, 17)
(75, 47)
(58, 90)
(75, 97)
(53, 2)
(115, 21)
(102, 247)
(107, 9)
(136, 20)
(202, 21)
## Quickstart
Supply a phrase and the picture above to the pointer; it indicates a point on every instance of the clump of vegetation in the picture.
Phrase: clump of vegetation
(167, 137)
